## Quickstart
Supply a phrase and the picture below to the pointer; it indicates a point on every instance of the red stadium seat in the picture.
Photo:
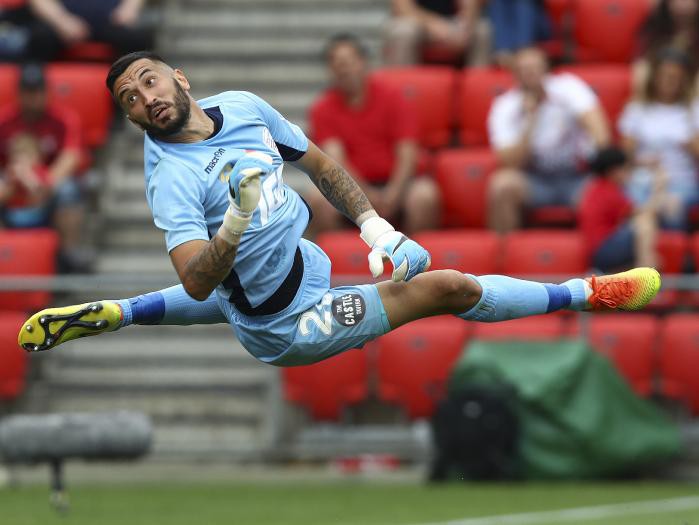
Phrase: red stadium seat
(468, 251)
(673, 248)
(538, 328)
(431, 89)
(462, 177)
(559, 11)
(327, 387)
(27, 252)
(611, 83)
(679, 358)
(89, 52)
(13, 360)
(552, 217)
(544, 252)
(628, 340)
(348, 254)
(11, 4)
(82, 87)
(9, 76)
(479, 86)
(414, 362)
(605, 30)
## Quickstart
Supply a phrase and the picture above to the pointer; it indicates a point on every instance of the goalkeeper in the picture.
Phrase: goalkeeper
(233, 230)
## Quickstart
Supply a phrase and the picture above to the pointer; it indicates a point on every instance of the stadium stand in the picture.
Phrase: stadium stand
(469, 251)
(605, 30)
(478, 88)
(325, 388)
(611, 83)
(19, 255)
(462, 177)
(544, 252)
(679, 359)
(414, 362)
(14, 360)
(347, 252)
(629, 341)
(431, 89)
(537, 328)
(79, 86)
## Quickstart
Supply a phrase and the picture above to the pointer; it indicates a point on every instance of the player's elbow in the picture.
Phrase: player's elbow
(196, 291)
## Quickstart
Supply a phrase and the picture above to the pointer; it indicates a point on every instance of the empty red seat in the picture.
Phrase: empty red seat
(479, 86)
(606, 30)
(544, 253)
(611, 83)
(82, 88)
(348, 254)
(462, 177)
(673, 248)
(89, 52)
(679, 358)
(13, 360)
(538, 328)
(431, 89)
(327, 387)
(9, 76)
(468, 251)
(628, 340)
(11, 4)
(27, 252)
(414, 362)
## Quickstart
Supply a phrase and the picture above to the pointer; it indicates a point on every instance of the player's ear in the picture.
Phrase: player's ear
(182, 79)
(137, 124)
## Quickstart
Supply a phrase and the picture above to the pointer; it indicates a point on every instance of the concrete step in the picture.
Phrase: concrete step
(206, 441)
(158, 377)
(141, 262)
(270, 22)
(167, 406)
(134, 236)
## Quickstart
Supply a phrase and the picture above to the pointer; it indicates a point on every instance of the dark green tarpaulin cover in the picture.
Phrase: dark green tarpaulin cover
(578, 418)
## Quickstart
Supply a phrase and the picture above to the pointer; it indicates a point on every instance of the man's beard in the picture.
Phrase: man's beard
(182, 111)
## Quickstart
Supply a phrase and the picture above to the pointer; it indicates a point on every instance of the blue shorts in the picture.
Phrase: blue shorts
(319, 323)
(560, 189)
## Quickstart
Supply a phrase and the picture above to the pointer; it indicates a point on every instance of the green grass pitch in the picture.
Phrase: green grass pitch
(333, 503)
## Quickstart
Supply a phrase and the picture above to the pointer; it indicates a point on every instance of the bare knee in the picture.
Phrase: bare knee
(507, 183)
(421, 205)
(456, 291)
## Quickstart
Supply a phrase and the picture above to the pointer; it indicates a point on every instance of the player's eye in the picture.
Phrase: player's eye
(131, 99)
(150, 81)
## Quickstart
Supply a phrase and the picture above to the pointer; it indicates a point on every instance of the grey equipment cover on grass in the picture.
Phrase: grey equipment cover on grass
(105, 435)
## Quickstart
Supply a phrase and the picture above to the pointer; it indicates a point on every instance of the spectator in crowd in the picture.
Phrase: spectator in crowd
(24, 186)
(454, 26)
(673, 23)
(662, 127)
(541, 130)
(43, 28)
(516, 24)
(57, 133)
(371, 130)
(618, 235)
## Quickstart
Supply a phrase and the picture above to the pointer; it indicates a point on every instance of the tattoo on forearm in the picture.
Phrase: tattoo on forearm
(342, 191)
(211, 265)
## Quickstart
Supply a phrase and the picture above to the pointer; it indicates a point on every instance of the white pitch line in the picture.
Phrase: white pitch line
(599, 512)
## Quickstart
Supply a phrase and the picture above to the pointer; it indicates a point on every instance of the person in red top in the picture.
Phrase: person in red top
(371, 129)
(58, 135)
(617, 234)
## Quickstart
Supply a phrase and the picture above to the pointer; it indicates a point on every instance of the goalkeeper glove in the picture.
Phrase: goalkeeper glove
(407, 256)
(244, 193)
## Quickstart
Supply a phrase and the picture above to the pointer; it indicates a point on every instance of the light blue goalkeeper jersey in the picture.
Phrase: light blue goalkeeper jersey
(187, 191)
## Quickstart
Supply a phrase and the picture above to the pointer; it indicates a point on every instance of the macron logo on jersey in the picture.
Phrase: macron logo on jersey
(217, 156)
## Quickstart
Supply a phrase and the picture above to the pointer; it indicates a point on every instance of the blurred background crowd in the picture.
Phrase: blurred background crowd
(528, 137)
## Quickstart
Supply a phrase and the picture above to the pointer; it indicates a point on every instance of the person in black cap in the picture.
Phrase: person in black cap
(57, 132)
(617, 234)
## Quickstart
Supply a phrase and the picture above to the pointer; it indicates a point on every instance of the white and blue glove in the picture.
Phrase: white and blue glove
(407, 256)
(244, 193)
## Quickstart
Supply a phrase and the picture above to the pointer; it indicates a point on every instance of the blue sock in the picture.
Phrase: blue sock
(505, 298)
(171, 306)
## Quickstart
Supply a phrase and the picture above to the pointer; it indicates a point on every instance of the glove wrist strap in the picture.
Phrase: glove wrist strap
(373, 228)
(235, 222)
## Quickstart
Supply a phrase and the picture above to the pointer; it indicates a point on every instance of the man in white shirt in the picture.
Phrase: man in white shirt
(541, 131)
